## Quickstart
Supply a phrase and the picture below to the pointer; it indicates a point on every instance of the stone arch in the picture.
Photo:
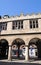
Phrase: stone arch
(18, 45)
(18, 40)
(35, 43)
(4, 47)
(34, 40)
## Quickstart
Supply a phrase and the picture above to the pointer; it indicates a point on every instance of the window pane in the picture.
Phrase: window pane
(16, 23)
(30, 24)
(21, 24)
(13, 25)
(36, 24)
(33, 24)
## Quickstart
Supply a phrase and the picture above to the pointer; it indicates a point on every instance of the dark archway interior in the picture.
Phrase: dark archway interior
(39, 49)
(18, 42)
(3, 49)
(37, 42)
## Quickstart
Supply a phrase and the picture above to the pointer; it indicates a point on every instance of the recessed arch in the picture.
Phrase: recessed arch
(35, 44)
(18, 45)
(34, 41)
(18, 40)
(4, 47)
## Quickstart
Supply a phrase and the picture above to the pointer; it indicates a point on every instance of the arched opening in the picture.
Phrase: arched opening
(35, 48)
(4, 49)
(18, 49)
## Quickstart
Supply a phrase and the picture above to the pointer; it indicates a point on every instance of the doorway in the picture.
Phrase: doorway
(35, 48)
(18, 49)
(4, 49)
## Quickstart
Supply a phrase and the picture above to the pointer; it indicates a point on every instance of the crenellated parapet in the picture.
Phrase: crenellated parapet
(21, 17)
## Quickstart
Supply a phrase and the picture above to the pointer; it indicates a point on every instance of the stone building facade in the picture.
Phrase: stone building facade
(20, 37)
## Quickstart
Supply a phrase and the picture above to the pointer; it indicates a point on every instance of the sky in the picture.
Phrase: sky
(16, 7)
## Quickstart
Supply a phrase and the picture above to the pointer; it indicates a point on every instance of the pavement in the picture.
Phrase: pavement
(16, 63)
(23, 61)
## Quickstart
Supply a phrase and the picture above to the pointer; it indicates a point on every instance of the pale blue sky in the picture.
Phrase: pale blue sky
(15, 7)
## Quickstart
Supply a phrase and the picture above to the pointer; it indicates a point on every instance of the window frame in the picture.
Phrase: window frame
(3, 25)
(33, 23)
(18, 24)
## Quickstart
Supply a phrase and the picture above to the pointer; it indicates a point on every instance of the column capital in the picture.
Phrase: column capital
(26, 45)
(10, 45)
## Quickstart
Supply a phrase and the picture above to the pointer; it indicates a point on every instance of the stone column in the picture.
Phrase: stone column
(9, 53)
(26, 53)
